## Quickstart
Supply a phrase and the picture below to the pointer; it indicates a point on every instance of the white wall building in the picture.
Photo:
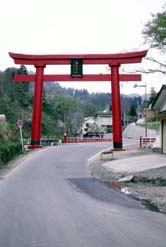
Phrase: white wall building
(160, 105)
(88, 121)
(104, 120)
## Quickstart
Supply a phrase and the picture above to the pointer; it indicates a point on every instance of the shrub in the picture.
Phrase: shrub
(8, 150)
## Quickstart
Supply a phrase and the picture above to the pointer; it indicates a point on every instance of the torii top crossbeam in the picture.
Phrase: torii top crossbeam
(120, 58)
(113, 60)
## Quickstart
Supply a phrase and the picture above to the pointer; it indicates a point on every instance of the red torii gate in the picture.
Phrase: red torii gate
(113, 60)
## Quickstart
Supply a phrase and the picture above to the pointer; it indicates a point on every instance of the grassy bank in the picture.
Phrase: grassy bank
(151, 125)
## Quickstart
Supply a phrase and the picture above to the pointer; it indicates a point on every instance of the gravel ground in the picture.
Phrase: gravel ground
(154, 197)
(148, 186)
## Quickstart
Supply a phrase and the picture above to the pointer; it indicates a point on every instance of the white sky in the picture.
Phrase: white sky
(77, 26)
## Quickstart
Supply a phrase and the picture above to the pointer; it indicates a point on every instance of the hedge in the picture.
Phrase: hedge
(8, 150)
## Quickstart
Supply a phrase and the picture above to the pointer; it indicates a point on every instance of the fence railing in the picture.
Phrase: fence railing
(81, 140)
(147, 141)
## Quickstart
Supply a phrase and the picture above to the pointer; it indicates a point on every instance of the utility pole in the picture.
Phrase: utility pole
(146, 122)
(20, 124)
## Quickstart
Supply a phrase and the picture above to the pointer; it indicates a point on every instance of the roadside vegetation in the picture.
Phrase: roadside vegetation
(9, 146)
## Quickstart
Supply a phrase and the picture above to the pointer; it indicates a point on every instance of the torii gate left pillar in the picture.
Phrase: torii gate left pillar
(113, 60)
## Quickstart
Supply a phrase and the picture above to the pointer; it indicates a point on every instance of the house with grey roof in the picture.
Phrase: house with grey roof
(159, 104)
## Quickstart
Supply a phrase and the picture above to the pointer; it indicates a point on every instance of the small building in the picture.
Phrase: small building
(88, 121)
(159, 104)
(98, 125)
(104, 120)
(149, 113)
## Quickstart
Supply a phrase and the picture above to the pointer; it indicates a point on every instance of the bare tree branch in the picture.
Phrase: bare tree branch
(160, 69)
(156, 61)
(148, 71)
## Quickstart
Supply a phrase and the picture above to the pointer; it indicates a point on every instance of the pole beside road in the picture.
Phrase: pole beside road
(20, 124)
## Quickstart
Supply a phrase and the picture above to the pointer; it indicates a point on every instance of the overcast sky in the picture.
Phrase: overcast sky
(77, 26)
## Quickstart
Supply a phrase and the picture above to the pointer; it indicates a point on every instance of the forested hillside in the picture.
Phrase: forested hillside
(63, 109)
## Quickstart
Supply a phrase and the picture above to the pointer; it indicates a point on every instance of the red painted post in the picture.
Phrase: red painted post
(116, 107)
(65, 138)
(140, 141)
(37, 107)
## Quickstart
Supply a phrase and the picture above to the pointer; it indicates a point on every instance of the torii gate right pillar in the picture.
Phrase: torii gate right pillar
(116, 107)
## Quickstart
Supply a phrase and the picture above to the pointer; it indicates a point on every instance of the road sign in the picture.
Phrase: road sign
(19, 123)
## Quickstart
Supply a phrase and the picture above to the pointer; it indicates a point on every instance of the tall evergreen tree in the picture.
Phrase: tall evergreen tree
(153, 95)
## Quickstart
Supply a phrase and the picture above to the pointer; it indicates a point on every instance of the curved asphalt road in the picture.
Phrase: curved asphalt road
(50, 200)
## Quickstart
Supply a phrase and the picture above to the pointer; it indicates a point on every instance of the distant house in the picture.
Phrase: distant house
(98, 125)
(104, 120)
(159, 104)
(88, 121)
(146, 115)
(149, 113)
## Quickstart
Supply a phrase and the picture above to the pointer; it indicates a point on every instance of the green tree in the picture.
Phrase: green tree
(21, 90)
(155, 30)
(64, 107)
(153, 95)
(88, 109)
(132, 111)
(22, 70)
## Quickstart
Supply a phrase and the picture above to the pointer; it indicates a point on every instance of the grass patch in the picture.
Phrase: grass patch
(151, 125)
(158, 181)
